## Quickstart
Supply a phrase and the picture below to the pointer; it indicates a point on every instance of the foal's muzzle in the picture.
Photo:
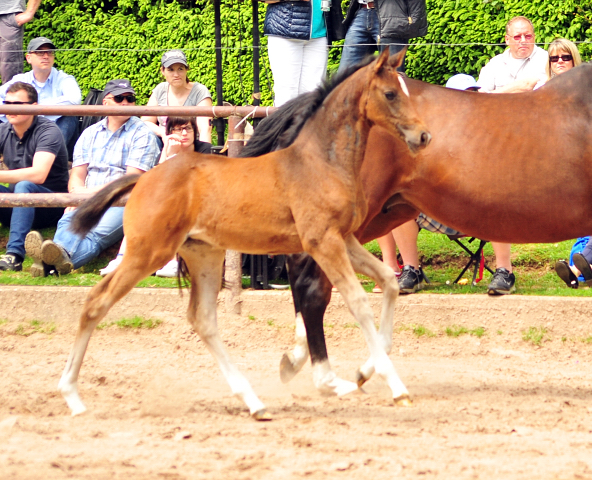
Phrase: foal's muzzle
(415, 137)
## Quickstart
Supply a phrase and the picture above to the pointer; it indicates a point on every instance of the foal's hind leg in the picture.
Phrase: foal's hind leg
(205, 267)
(100, 299)
(365, 263)
(332, 256)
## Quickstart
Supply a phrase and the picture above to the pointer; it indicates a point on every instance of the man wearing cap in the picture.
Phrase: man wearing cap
(13, 16)
(412, 279)
(388, 23)
(53, 86)
(37, 161)
(105, 151)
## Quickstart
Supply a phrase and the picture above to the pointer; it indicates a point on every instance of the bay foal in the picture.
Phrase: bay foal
(309, 199)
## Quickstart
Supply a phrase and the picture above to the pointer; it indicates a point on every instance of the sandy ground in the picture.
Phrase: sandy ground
(491, 407)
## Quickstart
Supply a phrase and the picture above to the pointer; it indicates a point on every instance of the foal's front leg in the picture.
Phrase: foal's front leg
(366, 264)
(332, 256)
(205, 267)
(311, 291)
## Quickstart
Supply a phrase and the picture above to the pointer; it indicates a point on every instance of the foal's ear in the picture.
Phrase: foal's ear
(396, 60)
(382, 61)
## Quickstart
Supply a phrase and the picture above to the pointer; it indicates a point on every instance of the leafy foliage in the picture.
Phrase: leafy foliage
(107, 39)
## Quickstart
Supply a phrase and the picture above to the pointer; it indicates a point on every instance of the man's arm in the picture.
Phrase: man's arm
(37, 173)
(28, 14)
(523, 85)
(71, 94)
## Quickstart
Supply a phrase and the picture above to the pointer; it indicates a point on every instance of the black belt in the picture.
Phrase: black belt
(369, 5)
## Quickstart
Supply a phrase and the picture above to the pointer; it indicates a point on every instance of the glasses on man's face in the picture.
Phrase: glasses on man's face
(179, 130)
(43, 53)
(528, 37)
(565, 58)
(16, 102)
(121, 98)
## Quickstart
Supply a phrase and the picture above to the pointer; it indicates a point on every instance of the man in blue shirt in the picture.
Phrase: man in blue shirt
(53, 86)
(105, 151)
(37, 161)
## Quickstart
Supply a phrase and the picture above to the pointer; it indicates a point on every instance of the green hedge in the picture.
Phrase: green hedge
(126, 38)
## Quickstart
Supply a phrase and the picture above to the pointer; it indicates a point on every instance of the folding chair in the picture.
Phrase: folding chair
(475, 257)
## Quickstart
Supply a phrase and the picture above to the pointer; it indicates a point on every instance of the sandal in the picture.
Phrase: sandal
(584, 267)
(565, 273)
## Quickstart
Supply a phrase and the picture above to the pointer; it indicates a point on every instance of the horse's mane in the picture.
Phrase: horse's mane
(281, 128)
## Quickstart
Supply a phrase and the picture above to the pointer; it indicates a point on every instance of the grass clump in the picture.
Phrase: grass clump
(422, 331)
(35, 326)
(135, 322)
(456, 331)
(535, 335)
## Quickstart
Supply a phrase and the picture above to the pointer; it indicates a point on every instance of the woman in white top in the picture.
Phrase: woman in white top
(178, 91)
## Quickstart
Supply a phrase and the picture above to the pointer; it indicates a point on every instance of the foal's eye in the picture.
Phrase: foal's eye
(390, 95)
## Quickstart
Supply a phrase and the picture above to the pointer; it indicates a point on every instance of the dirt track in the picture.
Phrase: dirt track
(490, 407)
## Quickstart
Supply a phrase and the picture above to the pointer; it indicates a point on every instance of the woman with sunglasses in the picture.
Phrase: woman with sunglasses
(180, 136)
(178, 91)
(563, 56)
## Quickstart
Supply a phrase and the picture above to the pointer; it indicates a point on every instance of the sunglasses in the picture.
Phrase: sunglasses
(42, 53)
(16, 102)
(120, 98)
(565, 58)
(527, 37)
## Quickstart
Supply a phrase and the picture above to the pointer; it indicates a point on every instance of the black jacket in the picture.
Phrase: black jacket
(292, 20)
(398, 18)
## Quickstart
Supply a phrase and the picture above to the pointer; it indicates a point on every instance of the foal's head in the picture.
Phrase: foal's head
(388, 103)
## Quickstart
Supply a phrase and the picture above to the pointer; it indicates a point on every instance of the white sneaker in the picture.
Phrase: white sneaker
(113, 264)
(169, 270)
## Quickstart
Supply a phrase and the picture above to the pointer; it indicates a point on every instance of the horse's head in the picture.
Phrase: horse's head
(388, 103)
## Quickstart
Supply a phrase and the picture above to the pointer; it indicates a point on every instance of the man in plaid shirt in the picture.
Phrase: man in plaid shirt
(105, 151)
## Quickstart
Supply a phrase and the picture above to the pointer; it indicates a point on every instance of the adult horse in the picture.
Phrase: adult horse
(510, 168)
(318, 203)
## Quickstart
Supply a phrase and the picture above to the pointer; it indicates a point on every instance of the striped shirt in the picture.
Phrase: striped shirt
(108, 154)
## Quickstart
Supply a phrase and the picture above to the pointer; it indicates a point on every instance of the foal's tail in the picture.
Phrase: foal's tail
(90, 212)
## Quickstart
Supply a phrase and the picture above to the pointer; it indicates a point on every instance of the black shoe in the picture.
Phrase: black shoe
(502, 283)
(565, 274)
(411, 280)
(11, 262)
(584, 267)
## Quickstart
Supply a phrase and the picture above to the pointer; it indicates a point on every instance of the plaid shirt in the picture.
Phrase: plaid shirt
(108, 154)
(431, 225)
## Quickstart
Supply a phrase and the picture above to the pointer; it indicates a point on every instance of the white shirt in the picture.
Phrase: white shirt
(504, 69)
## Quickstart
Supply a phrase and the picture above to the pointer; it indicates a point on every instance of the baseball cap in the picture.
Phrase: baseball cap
(38, 42)
(173, 56)
(461, 81)
(118, 86)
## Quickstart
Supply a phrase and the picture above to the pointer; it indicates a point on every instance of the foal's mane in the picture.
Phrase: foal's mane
(281, 128)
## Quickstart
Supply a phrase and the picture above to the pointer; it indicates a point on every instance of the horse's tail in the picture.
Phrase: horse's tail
(90, 212)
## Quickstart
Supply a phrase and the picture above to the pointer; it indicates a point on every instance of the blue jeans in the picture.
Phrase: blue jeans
(69, 128)
(22, 219)
(108, 231)
(362, 37)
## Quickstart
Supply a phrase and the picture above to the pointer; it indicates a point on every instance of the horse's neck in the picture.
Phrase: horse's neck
(339, 129)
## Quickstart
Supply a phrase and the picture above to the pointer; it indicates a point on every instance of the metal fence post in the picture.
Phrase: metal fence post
(233, 265)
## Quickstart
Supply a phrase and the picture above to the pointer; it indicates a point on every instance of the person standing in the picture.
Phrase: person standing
(54, 87)
(297, 36)
(383, 23)
(13, 16)
(519, 69)
(105, 151)
(37, 161)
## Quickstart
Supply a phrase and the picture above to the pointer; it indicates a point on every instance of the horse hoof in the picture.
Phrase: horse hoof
(403, 401)
(287, 370)
(360, 379)
(262, 415)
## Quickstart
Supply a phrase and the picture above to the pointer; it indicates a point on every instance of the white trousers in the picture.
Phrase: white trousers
(297, 66)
